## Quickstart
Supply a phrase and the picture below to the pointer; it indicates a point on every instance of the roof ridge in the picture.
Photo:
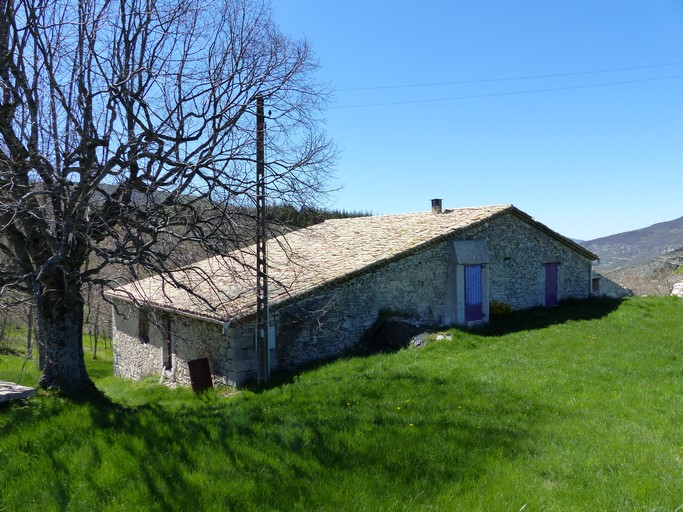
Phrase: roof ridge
(421, 212)
(308, 260)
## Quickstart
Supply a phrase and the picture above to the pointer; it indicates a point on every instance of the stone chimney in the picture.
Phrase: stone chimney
(436, 206)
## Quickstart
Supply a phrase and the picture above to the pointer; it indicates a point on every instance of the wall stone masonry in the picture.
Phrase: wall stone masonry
(191, 339)
(418, 284)
(519, 252)
(132, 358)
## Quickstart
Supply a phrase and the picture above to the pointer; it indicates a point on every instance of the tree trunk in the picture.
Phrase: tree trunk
(60, 329)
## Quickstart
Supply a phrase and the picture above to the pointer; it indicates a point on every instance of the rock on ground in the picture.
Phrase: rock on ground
(677, 290)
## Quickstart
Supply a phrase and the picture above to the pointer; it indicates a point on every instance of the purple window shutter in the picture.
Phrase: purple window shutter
(551, 290)
(473, 293)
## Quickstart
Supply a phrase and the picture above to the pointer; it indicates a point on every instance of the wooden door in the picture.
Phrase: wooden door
(551, 287)
(474, 309)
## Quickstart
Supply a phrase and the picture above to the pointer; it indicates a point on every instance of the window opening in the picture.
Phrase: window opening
(167, 344)
(143, 326)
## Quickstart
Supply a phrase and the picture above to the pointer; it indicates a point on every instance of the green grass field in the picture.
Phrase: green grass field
(574, 408)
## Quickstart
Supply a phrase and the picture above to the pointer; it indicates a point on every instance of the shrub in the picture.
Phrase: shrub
(498, 308)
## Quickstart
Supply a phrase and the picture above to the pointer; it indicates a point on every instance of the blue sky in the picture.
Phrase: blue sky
(572, 110)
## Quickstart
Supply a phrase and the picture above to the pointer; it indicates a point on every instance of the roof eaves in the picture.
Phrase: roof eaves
(126, 297)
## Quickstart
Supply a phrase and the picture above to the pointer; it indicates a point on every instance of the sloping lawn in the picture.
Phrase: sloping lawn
(575, 408)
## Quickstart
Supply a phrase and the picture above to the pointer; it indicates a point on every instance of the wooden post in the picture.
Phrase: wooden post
(38, 337)
(262, 351)
(95, 332)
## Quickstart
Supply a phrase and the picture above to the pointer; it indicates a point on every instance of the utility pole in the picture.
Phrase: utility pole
(262, 350)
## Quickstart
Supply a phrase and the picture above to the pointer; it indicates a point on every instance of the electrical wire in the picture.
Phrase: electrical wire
(507, 93)
(508, 79)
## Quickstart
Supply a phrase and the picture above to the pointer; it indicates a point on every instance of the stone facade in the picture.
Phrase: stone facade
(418, 285)
(426, 284)
(519, 254)
(190, 339)
(603, 286)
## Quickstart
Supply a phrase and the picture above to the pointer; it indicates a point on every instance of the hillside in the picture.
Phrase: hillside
(570, 408)
(642, 245)
(643, 260)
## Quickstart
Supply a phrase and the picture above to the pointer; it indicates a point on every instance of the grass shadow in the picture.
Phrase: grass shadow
(542, 317)
(284, 441)
(392, 333)
(387, 336)
(281, 377)
(9, 351)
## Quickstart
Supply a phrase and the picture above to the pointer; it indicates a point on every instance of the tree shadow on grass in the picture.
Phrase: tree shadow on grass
(275, 452)
(9, 351)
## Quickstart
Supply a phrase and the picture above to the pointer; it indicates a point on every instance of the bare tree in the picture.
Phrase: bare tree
(127, 135)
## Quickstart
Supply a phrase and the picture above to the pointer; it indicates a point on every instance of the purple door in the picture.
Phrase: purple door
(473, 293)
(551, 284)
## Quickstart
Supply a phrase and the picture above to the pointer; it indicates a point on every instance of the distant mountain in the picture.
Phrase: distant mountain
(632, 247)
(645, 260)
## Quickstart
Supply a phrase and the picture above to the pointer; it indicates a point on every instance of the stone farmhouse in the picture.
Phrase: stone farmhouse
(329, 283)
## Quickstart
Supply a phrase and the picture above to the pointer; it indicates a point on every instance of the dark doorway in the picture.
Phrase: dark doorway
(167, 344)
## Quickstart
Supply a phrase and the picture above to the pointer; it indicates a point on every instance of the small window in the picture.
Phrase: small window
(595, 288)
(143, 326)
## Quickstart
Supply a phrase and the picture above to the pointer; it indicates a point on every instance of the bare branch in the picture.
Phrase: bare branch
(127, 137)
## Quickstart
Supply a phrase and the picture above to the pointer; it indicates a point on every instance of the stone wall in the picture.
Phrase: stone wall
(231, 353)
(603, 286)
(335, 321)
(239, 353)
(416, 286)
(331, 322)
(132, 358)
(190, 339)
(519, 252)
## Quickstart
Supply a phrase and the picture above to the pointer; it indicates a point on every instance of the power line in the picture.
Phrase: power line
(508, 93)
(507, 79)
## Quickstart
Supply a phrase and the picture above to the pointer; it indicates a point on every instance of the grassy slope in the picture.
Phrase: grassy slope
(569, 415)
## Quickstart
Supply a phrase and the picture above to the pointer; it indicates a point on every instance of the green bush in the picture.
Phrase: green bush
(498, 308)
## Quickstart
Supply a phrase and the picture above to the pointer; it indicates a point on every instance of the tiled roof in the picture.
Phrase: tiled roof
(223, 287)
